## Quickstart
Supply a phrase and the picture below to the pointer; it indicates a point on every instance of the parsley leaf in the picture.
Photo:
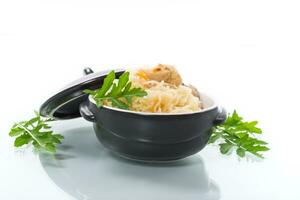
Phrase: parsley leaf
(236, 134)
(37, 132)
(119, 93)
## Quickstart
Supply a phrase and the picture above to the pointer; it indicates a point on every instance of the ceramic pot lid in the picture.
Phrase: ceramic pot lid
(65, 104)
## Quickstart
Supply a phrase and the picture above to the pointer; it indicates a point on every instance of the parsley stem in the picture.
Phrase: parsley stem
(29, 132)
(239, 145)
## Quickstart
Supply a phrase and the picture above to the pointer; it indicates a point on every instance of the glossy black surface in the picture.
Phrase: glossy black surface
(152, 137)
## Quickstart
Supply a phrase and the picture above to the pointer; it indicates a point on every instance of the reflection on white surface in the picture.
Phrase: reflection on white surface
(85, 170)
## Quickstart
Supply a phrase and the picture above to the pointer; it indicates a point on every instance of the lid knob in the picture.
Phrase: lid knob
(87, 71)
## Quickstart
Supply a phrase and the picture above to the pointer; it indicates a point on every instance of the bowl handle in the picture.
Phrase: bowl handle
(221, 116)
(86, 113)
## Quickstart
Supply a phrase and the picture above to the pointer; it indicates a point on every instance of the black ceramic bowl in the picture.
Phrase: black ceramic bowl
(153, 136)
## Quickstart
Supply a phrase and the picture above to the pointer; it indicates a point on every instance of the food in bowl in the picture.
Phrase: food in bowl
(165, 91)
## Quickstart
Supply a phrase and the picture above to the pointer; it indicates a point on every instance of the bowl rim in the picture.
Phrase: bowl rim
(212, 107)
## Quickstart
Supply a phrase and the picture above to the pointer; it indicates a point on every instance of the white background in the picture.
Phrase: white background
(244, 53)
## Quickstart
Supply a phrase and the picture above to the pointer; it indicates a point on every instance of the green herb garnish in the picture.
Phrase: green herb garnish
(36, 131)
(239, 135)
(120, 94)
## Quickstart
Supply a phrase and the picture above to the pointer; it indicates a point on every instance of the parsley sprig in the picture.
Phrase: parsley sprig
(239, 135)
(120, 94)
(37, 132)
